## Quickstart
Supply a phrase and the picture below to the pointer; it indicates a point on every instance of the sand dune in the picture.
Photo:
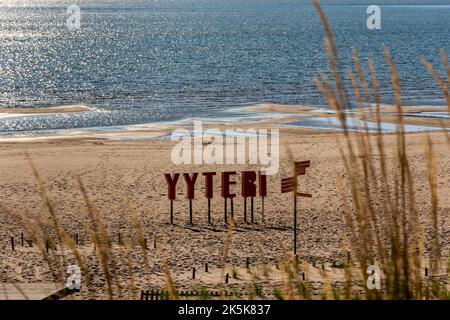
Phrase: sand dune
(25, 112)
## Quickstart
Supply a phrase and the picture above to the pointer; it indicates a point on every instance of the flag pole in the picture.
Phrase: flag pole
(295, 223)
(295, 207)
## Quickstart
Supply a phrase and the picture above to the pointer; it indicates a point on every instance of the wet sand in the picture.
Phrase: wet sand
(45, 110)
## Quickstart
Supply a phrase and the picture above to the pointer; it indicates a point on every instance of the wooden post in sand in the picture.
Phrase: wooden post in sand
(288, 185)
(209, 190)
(171, 180)
(232, 208)
(21, 239)
(262, 210)
(209, 211)
(295, 223)
(190, 212)
(299, 170)
(245, 209)
(225, 211)
(171, 211)
(262, 192)
(12, 243)
(248, 189)
(190, 179)
(251, 211)
(226, 192)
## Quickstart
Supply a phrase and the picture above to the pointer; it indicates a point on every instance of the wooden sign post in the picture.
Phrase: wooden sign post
(291, 185)
(248, 189)
(232, 207)
(226, 192)
(190, 180)
(245, 209)
(209, 191)
(252, 219)
(262, 192)
(171, 180)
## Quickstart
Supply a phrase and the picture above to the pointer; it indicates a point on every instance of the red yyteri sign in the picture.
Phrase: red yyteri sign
(253, 183)
(249, 181)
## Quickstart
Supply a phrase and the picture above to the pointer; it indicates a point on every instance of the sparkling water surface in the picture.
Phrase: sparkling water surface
(149, 61)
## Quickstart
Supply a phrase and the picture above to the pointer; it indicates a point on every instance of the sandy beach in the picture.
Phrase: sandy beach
(246, 152)
(113, 171)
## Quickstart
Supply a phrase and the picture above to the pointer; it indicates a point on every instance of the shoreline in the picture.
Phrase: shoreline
(285, 118)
